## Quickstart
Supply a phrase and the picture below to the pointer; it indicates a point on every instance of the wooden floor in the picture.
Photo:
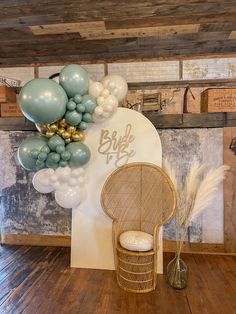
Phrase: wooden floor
(40, 280)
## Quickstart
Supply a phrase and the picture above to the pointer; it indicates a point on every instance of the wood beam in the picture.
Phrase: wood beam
(230, 192)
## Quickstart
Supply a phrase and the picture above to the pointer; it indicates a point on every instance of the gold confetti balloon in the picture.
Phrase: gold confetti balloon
(53, 127)
(49, 134)
(71, 129)
(61, 131)
(66, 135)
(68, 132)
(75, 137)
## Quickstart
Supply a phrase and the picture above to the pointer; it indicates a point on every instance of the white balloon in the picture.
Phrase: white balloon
(76, 172)
(53, 178)
(98, 110)
(100, 100)
(117, 86)
(112, 101)
(112, 85)
(56, 185)
(95, 89)
(68, 198)
(63, 172)
(105, 93)
(39, 185)
(105, 81)
(49, 172)
(80, 180)
(108, 108)
(72, 182)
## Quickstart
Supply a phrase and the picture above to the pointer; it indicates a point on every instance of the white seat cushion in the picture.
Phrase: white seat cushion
(136, 241)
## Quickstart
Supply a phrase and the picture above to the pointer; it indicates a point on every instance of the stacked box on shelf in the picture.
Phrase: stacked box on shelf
(218, 100)
(8, 101)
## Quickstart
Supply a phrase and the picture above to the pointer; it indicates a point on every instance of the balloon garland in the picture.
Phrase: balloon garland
(62, 112)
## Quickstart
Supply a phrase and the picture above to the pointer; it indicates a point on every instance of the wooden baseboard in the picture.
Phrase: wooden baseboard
(65, 241)
(36, 240)
(217, 248)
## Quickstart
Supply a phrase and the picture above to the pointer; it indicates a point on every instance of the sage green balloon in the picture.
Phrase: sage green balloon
(90, 103)
(74, 79)
(24, 154)
(73, 117)
(43, 101)
(80, 154)
(54, 141)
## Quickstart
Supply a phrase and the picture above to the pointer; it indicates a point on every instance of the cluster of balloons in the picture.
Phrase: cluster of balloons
(62, 112)
(67, 132)
(67, 183)
(79, 111)
(108, 94)
(38, 152)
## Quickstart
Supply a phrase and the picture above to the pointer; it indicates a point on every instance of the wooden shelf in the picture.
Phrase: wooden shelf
(16, 124)
(192, 120)
(182, 84)
(160, 121)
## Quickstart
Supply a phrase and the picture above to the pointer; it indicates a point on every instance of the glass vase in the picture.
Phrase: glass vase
(177, 272)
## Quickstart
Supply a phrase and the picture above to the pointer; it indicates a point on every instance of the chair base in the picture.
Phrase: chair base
(136, 270)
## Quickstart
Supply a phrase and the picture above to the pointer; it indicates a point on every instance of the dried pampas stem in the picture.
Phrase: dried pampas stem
(194, 196)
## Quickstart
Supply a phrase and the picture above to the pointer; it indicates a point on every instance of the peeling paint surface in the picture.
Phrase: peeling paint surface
(181, 148)
(23, 209)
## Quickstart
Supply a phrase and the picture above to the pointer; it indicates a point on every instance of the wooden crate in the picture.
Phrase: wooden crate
(7, 94)
(10, 110)
(218, 100)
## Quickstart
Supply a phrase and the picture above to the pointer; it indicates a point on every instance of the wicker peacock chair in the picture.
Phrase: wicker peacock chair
(141, 197)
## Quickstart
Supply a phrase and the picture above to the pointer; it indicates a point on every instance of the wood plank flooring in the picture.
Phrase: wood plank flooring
(40, 280)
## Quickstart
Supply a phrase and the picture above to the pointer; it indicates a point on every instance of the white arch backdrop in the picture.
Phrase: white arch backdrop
(127, 137)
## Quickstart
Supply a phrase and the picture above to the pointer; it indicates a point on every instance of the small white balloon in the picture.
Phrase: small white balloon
(95, 89)
(105, 93)
(68, 198)
(39, 185)
(98, 110)
(105, 81)
(108, 108)
(100, 100)
(112, 101)
(72, 182)
(63, 172)
(116, 83)
(80, 180)
(56, 185)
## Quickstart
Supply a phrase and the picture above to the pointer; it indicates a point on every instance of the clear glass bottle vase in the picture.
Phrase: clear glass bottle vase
(177, 272)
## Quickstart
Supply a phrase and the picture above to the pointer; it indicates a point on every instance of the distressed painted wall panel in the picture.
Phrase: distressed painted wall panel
(24, 74)
(209, 68)
(146, 71)
(96, 71)
(23, 209)
(181, 148)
